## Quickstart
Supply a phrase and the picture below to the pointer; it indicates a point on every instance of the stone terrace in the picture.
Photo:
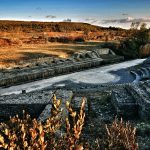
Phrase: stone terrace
(79, 61)
(133, 99)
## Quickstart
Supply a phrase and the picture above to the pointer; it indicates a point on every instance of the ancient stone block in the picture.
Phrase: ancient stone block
(124, 103)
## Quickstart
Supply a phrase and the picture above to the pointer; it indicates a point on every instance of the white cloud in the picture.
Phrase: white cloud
(50, 16)
(92, 21)
(126, 20)
(67, 20)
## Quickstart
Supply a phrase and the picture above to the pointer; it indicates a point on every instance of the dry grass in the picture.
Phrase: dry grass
(121, 135)
(13, 56)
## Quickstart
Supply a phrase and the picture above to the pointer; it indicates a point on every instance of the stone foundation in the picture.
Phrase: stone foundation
(57, 67)
(133, 100)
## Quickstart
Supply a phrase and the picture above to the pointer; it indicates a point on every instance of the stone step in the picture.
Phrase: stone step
(124, 102)
(139, 72)
(142, 73)
(32, 74)
(142, 98)
(64, 96)
(137, 75)
(146, 72)
(137, 90)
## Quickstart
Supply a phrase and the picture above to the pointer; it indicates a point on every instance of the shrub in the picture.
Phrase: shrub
(121, 136)
(130, 47)
(66, 39)
(79, 39)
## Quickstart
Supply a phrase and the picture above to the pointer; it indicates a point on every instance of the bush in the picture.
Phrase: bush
(65, 39)
(121, 136)
(79, 39)
(130, 47)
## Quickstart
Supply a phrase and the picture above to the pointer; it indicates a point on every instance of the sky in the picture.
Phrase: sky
(118, 13)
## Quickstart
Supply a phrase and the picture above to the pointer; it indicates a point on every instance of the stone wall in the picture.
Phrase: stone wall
(133, 100)
(142, 72)
(37, 104)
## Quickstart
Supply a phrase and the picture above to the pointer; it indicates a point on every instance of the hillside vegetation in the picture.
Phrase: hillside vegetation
(21, 32)
(25, 26)
(129, 43)
(137, 45)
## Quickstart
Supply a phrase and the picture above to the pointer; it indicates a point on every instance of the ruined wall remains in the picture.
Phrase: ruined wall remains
(80, 61)
(133, 100)
(36, 103)
(142, 72)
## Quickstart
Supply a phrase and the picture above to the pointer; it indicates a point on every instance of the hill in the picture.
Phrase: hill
(32, 32)
(25, 26)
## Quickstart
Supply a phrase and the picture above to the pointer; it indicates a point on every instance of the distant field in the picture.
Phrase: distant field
(20, 56)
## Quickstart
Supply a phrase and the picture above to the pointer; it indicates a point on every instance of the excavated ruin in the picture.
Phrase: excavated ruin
(103, 101)
(78, 61)
(131, 99)
(134, 99)
(142, 72)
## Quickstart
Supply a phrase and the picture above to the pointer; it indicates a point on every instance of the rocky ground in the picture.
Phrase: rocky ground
(102, 112)
(99, 108)
(99, 111)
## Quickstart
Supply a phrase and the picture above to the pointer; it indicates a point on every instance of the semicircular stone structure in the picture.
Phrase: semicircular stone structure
(133, 100)
(142, 72)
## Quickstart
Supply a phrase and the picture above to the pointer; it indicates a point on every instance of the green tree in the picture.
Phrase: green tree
(130, 47)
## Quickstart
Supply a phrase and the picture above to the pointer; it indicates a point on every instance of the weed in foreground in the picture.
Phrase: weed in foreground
(121, 135)
(30, 134)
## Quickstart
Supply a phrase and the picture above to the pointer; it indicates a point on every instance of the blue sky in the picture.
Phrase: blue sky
(99, 12)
